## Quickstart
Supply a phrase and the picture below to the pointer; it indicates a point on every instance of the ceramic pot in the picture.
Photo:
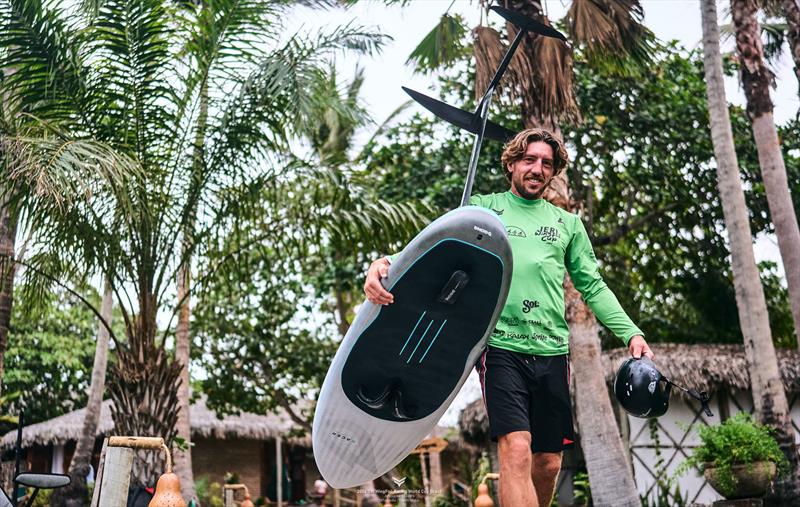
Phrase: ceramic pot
(752, 480)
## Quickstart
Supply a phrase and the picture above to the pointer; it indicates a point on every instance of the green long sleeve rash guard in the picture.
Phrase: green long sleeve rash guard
(546, 241)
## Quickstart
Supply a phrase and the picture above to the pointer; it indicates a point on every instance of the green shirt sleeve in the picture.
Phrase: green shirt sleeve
(582, 267)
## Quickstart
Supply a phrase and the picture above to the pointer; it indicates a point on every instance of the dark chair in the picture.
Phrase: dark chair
(28, 480)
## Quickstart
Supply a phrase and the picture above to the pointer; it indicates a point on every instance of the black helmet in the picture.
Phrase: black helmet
(638, 388)
(641, 389)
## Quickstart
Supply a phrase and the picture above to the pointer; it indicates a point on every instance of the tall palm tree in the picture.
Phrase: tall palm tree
(769, 396)
(117, 78)
(610, 34)
(756, 80)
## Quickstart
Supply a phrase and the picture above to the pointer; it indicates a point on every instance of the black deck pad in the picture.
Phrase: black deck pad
(407, 361)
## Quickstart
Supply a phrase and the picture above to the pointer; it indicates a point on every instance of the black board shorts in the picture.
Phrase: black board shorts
(523, 392)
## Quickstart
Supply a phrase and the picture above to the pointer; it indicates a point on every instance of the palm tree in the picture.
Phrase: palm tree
(117, 78)
(611, 36)
(756, 79)
(769, 397)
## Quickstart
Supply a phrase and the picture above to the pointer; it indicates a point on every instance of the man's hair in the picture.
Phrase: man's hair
(514, 150)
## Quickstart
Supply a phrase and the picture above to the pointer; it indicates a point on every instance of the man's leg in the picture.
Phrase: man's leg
(516, 485)
(546, 466)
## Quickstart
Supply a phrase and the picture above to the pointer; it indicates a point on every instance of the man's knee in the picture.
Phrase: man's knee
(547, 463)
(515, 451)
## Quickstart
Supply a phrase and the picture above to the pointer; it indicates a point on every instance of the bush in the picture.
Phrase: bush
(738, 441)
(209, 494)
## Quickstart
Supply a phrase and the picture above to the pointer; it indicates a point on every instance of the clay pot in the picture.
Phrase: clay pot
(168, 492)
(247, 502)
(752, 480)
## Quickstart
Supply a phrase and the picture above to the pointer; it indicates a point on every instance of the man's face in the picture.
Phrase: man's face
(532, 173)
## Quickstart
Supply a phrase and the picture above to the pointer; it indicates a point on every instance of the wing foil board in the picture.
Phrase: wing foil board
(399, 366)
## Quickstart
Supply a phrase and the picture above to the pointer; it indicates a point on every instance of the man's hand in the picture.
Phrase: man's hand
(638, 347)
(372, 287)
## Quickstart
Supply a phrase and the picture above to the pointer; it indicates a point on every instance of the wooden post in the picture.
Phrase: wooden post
(426, 484)
(279, 470)
(435, 473)
(337, 498)
(116, 477)
(228, 496)
(98, 476)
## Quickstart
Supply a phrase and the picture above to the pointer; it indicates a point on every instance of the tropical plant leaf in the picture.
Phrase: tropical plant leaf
(444, 44)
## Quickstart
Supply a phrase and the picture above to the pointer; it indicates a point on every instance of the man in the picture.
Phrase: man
(525, 369)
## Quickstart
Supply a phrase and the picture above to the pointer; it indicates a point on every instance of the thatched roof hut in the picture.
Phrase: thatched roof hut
(705, 367)
(205, 423)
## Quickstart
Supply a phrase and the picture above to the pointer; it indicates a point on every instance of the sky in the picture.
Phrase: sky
(387, 71)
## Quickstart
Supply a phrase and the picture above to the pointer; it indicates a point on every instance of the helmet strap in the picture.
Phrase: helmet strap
(702, 397)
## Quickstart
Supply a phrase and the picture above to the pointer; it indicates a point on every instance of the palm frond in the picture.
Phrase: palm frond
(41, 57)
(441, 46)
(773, 36)
(62, 171)
(131, 47)
(553, 97)
(612, 34)
(282, 97)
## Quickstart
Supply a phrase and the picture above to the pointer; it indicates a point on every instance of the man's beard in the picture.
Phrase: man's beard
(525, 194)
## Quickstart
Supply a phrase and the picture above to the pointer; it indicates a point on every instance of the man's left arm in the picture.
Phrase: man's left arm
(583, 269)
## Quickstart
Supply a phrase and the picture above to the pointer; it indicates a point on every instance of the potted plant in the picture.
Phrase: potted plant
(739, 457)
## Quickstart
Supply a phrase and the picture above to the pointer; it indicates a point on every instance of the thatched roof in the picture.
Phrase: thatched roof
(704, 367)
(204, 421)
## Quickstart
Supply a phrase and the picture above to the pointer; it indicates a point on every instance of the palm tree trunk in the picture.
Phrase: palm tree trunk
(8, 234)
(769, 396)
(756, 80)
(182, 458)
(76, 494)
(791, 8)
(605, 454)
(144, 391)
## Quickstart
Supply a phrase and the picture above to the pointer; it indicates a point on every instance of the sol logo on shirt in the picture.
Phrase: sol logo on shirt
(527, 305)
(548, 233)
(515, 232)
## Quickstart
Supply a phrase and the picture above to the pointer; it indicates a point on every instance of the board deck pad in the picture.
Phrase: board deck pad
(399, 366)
(417, 350)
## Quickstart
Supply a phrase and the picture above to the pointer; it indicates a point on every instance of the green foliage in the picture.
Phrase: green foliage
(666, 493)
(582, 489)
(738, 441)
(5, 416)
(49, 360)
(443, 45)
(411, 469)
(209, 494)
